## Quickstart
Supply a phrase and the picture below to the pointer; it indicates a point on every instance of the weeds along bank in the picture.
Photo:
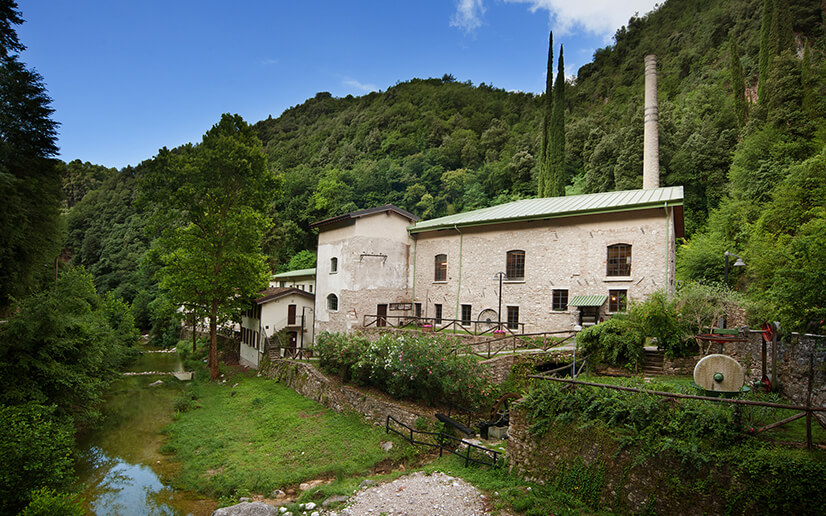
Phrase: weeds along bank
(637, 453)
(246, 434)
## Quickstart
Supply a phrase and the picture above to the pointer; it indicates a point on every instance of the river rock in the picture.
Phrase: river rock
(247, 509)
(334, 499)
(387, 446)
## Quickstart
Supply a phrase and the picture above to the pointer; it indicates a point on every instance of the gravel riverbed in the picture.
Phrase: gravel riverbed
(418, 494)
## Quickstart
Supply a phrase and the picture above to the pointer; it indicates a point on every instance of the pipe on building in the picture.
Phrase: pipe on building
(459, 287)
(651, 156)
(669, 288)
(413, 289)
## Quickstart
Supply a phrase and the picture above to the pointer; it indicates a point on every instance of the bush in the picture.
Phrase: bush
(46, 502)
(406, 366)
(618, 341)
(36, 448)
(658, 317)
(689, 429)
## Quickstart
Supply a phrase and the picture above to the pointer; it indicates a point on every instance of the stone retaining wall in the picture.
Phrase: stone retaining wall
(308, 381)
(498, 368)
(628, 485)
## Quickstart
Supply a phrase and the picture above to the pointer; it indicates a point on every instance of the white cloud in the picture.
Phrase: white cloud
(599, 17)
(269, 61)
(468, 15)
(359, 85)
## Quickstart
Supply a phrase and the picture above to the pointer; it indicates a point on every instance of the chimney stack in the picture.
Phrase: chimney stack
(651, 153)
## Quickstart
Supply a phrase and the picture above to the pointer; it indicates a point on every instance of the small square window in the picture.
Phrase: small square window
(466, 314)
(513, 317)
(617, 300)
(559, 303)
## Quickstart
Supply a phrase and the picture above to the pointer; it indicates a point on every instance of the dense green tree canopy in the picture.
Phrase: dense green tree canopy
(30, 191)
(210, 201)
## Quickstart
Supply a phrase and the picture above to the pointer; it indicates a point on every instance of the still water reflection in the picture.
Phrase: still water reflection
(121, 463)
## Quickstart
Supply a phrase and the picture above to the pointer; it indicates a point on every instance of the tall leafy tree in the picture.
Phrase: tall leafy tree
(544, 172)
(556, 188)
(30, 191)
(9, 16)
(210, 202)
(767, 49)
(738, 83)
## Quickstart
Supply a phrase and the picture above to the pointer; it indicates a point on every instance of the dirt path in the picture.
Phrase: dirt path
(418, 494)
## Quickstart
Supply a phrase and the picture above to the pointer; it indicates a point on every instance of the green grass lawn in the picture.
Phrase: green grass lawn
(261, 436)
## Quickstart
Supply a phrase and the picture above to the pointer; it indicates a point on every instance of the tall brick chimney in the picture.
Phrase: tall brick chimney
(651, 153)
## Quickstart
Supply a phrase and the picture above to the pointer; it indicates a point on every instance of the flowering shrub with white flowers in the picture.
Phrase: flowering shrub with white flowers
(412, 366)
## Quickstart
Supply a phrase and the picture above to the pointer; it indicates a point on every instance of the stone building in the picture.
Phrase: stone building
(562, 261)
(362, 266)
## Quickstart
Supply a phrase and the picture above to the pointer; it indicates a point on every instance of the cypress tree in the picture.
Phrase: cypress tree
(556, 188)
(738, 83)
(544, 171)
(766, 50)
(781, 28)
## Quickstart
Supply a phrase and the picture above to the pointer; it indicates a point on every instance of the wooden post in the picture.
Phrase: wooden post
(764, 367)
(774, 358)
(809, 444)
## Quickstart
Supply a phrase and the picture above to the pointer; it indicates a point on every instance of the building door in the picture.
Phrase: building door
(291, 315)
(381, 312)
(588, 315)
(292, 343)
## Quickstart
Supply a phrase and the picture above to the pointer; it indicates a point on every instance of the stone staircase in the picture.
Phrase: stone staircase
(653, 363)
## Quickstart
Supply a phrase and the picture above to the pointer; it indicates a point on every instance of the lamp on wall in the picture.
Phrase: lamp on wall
(738, 263)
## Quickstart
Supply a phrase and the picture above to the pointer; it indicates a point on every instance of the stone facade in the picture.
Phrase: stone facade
(364, 263)
(568, 253)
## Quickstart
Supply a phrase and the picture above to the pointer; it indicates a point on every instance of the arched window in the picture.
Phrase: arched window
(619, 260)
(332, 302)
(333, 265)
(440, 273)
(515, 265)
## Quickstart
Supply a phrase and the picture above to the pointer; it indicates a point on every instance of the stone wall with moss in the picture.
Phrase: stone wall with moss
(311, 383)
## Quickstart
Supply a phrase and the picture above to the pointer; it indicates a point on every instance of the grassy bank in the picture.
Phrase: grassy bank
(258, 436)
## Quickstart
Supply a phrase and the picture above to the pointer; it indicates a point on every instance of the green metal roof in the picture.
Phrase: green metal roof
(587, 300)
(555, 207)
(295, 273)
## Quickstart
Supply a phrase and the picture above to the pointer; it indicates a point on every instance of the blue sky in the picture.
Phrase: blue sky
(129, 77)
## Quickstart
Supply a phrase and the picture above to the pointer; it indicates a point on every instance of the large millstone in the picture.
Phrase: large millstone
(719, 373)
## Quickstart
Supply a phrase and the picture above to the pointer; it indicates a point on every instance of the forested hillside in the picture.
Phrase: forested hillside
(438, 146)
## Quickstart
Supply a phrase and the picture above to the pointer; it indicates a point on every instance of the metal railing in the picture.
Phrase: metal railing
(525, 341)
(808, 411)
(442, 437)
(442, 324)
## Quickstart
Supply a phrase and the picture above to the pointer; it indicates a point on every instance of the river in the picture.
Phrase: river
(121, 463)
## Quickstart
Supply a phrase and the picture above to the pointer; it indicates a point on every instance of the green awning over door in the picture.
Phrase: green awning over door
(587, 300)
